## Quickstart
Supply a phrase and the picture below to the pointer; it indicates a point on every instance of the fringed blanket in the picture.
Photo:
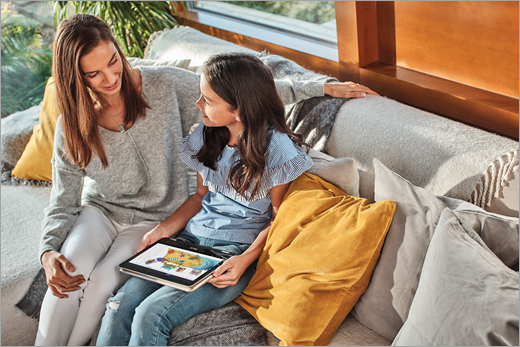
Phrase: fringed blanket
(494, 179)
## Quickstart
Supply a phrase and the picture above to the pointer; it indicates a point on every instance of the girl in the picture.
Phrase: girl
(246, 157)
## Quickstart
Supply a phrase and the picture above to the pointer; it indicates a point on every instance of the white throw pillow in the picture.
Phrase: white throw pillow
(466, 295)
(385, 304)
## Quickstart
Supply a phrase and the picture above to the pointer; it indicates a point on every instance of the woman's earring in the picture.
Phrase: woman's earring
(238, 119)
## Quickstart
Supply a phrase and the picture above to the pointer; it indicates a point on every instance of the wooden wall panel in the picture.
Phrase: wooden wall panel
(347, 32)
(472, 42)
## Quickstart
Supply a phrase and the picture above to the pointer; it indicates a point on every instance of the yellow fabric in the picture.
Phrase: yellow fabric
(35, 162)
(317, 261)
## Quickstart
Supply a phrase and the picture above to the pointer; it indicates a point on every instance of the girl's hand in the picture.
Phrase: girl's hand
(346, 90)
(230, 272)
(152, 236)
(57, 279)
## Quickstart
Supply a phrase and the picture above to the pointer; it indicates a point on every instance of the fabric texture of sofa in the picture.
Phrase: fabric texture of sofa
(448, 163)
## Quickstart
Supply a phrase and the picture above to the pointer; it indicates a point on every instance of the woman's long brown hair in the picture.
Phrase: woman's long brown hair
(76, 37)
(246, 84)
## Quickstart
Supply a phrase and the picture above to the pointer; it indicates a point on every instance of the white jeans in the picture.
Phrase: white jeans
(96, 245)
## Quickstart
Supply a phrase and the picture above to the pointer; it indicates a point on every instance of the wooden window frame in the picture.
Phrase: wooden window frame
(366, 52)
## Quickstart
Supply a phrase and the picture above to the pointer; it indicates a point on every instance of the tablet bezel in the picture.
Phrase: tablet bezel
(188, 247)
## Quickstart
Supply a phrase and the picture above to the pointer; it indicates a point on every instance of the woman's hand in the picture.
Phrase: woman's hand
(230, 272)
(57, 279)
(152, 236)
(346, 90)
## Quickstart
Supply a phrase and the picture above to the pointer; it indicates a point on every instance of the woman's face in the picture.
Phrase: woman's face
(102, 69)
(215, 111)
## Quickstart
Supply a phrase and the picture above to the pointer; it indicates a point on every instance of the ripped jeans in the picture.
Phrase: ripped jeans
(143, 313)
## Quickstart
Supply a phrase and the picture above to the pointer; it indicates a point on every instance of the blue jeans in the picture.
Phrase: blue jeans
(143, 313)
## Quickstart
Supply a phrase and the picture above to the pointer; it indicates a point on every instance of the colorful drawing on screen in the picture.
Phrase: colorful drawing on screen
(175, 258)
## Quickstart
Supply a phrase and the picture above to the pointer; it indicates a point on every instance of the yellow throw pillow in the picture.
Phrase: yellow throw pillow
(317, 261)
(35, 162)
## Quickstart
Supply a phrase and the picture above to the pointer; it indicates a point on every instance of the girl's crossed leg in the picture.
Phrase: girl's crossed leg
(143, 312)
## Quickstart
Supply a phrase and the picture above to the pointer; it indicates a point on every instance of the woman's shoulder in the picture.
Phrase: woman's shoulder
(154, 76)
(58, 132)
(162, 71)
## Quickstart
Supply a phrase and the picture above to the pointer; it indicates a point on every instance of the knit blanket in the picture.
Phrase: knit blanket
(314, 119)
(229, 325)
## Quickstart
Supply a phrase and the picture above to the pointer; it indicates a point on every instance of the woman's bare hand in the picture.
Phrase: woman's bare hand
(57, 279)
(346, 90)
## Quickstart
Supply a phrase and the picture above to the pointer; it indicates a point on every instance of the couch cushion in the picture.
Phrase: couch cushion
(350, 333)
(16, 132)
(180, 63)
(318, 258)
(22, 215)
(385, 304)
(466, 295)
(435, 153)
(182, 42)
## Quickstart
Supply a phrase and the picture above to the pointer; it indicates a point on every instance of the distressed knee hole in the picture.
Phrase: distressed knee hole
(113, 305)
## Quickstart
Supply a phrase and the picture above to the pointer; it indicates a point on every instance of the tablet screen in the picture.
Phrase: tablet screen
(173, 263)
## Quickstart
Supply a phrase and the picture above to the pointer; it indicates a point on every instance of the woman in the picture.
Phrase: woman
(120, 127)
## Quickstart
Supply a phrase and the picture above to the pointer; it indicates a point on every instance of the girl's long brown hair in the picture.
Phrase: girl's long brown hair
(246, 84)
(76, 37)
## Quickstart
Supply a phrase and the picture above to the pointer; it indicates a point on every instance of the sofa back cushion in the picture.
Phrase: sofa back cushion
(443, 156)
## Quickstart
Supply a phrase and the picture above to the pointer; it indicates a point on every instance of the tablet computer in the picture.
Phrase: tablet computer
(174, 263)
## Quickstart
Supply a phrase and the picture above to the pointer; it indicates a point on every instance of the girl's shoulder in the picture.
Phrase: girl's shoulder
(190, 145)
(285, 161)
(196, 137)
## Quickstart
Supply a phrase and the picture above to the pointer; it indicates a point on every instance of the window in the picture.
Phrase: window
(308, 26)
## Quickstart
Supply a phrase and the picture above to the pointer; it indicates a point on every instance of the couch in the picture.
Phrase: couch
(456, 192)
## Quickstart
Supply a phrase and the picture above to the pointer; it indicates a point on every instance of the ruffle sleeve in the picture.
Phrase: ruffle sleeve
(285, 162)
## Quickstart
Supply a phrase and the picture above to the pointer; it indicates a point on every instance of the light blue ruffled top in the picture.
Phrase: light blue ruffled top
(225, 214)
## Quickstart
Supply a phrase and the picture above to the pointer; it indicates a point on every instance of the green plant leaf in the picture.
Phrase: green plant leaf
(132, 22)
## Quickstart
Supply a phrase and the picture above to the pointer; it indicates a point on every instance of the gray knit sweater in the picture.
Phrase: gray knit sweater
(145, 178)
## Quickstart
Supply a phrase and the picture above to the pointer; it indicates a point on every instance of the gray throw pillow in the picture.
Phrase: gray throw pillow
(385, 304)
(16, 131)
(466, 295)
(341, 172)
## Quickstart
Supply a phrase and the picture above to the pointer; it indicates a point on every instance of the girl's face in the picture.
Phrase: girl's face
(215, 111)
(102, 69)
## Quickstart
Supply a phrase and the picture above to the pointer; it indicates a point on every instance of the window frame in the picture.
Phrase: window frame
(279, 36)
